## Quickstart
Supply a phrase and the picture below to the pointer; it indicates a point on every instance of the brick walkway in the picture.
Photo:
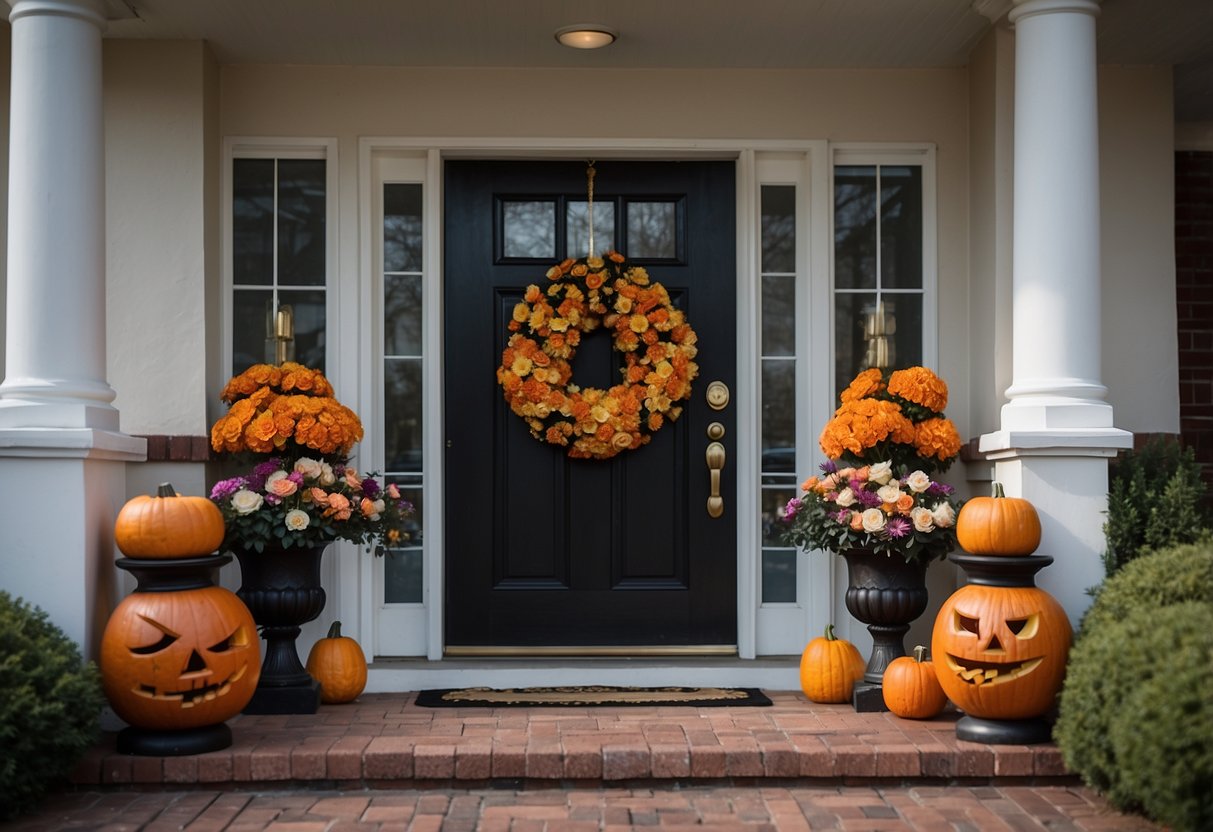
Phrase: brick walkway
(385, 763)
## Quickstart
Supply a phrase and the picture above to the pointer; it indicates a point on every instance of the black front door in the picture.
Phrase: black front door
(547, 551)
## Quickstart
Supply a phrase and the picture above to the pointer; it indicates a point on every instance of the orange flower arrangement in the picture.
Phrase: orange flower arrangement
(898, 419)
(284, 409)
(654, 337)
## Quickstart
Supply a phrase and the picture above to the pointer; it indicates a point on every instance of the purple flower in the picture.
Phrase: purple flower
(897, 527)
(843, 516)
(273, 499)
(296, 477)
(828, 467)
(370, 488)
(939, 489)
(793, 506)
(869, 499)
(226, 488)
(264, 469)
(856, 485)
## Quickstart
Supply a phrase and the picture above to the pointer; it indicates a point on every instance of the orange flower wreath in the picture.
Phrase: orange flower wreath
(657, 343)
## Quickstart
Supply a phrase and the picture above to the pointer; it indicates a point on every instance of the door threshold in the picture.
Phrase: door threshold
(409, 674)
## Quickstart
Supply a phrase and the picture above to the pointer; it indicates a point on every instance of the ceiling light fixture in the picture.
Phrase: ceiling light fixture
(586, 36)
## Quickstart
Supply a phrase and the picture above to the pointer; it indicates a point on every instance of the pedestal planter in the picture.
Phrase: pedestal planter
(887, 594)
(1000, 646)
(282, 589)
(179, 657)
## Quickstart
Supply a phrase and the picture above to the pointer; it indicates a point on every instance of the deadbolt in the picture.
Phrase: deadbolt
(717, 395)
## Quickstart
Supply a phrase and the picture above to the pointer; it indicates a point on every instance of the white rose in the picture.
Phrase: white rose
(944, 515)
(873, 520)
(246, 502)
(881, 472)
(297, 520)
(918, 482)
(327, 477)
(890, 493)
(310, 468)
(924, 520)
(846, 497)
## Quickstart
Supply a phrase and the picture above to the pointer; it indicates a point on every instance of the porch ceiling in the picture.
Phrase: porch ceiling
(668, 33)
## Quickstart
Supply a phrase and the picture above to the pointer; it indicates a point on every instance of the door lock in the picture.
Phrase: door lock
(715, 457)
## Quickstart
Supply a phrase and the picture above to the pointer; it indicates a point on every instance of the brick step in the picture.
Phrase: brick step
(386, 739)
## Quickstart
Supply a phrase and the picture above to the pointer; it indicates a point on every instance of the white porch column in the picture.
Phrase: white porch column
(1056, 429)
(62, 476)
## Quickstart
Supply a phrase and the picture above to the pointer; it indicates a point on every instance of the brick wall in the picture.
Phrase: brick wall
(1194, 301)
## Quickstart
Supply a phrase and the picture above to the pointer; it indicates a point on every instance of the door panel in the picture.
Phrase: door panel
(543, 550)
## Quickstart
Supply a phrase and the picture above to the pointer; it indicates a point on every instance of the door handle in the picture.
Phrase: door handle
(715, 457)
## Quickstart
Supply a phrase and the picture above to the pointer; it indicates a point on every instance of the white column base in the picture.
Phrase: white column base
(1064, 473)
(60, 491)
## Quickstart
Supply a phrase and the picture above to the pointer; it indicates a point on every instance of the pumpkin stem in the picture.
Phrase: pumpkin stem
(165, 489)
(335, 630)
(996, 490)
(830, 632)
(920, 654)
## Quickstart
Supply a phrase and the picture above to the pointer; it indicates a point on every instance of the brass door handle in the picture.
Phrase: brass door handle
(715, 457)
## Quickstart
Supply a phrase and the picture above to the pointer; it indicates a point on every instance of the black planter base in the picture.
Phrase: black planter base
(867, 698)
(1004, 731)
(149, 743)
(291, 699)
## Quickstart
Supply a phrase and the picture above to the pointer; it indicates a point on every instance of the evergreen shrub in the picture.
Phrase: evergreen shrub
(50, 704)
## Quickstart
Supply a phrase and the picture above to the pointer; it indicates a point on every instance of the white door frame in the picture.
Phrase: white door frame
(357, 574)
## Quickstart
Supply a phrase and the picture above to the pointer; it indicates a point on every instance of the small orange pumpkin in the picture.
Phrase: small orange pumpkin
(829, 668)
(998, 525)
(1000, 652)
(337, 663)
(168, 526)
(910, 687)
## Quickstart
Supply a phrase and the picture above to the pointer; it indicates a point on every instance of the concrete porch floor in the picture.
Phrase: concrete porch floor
(385, 763)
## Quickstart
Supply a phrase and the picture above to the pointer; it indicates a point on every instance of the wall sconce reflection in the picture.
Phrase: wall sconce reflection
(879, 326)
(280, 334)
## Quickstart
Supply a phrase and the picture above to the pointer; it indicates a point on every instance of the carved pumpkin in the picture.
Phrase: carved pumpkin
(337, 663)
(829, 668)
(185, 659)
(168, 526)
(998, 525)
(1000, 652)
(910, 687)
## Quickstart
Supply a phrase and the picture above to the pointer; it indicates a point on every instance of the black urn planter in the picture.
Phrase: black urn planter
(281, 587)
(886, 593)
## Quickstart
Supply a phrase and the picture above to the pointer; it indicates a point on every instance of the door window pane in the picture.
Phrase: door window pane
(577, 228)
(402, 414)
(402, 314)
(779, 315)
(778, 415)
(402, 228)
(402, 573)
(779, 576)
(779, 228)
(900, 227)
(528, 229)
(251, 316)
(652, 230)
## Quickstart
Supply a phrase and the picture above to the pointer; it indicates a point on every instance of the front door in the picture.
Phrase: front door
(544, 551)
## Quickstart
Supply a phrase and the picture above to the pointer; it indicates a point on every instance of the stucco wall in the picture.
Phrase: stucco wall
(157, 227)
(1137, 251)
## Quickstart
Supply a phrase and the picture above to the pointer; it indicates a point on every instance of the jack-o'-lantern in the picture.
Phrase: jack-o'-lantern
(183, 659)
(1000, 652)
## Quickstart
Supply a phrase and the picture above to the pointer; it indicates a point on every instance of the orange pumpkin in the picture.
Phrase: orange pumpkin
(829, 668)
(998, 525)
(184, 659)
(1000, 652)
(168, 526)
(910, 688)
(337, 663)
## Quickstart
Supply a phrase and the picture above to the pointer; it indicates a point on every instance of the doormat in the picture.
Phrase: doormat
(590, 695)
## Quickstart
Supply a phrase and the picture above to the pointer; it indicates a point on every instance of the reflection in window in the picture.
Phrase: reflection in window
(577, 228)
(528, 229)
(279, 260)
(778, 390)
(652, 230)
(878, 268)
(403, 571)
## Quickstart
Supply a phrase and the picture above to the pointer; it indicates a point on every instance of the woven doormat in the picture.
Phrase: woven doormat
(590, 696)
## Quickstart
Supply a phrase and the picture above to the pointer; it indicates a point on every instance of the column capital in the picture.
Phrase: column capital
(1027, 8)
(92, 11)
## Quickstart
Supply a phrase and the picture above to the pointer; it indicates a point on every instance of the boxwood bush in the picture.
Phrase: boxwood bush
(50, 704)
(1136, 710)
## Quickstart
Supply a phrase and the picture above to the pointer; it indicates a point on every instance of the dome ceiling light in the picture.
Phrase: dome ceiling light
(586, 36)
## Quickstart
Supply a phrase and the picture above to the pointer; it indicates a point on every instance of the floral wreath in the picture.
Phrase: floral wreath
(655, 339)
